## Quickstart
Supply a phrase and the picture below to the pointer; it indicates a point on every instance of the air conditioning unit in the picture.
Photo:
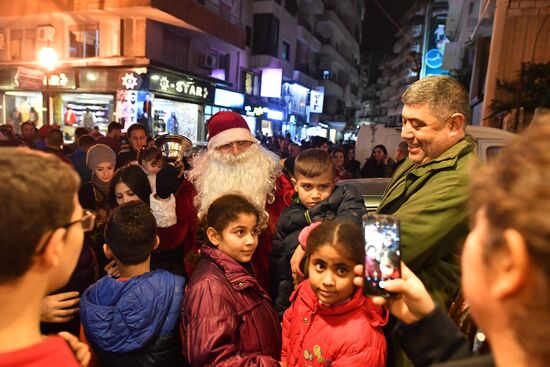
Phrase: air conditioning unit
(46, 33)
(209, 61)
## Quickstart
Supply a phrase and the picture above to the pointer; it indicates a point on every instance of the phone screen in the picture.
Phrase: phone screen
(383, 253)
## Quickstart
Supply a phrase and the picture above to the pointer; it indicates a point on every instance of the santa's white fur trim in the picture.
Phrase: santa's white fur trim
(229, 136)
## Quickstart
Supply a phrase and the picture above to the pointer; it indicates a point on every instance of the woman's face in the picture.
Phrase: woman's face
(378, 154)
(351, 155)
(124, 194)
(104, 171)
(338, 159)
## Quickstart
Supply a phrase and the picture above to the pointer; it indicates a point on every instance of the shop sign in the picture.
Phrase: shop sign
(127, 107)
(295, 97)
(181, 86)
(317, 97)
(258, 111)
(228, 98)
(130, 81)
(26, 78)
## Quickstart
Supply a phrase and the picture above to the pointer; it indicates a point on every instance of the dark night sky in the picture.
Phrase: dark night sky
(378, 30)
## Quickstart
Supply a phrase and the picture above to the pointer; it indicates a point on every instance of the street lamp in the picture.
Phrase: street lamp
(48, 59)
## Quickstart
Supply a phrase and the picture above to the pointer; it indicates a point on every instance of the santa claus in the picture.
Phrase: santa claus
(235, 162)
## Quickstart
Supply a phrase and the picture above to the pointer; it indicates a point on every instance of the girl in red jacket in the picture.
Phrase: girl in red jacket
(227, 317)
(331, 323)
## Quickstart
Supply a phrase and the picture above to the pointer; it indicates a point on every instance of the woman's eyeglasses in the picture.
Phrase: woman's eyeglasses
(87, 221)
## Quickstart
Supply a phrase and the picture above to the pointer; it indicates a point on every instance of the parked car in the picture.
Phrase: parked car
(489, 142)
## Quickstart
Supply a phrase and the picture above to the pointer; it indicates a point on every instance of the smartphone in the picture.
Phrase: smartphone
(382, 252)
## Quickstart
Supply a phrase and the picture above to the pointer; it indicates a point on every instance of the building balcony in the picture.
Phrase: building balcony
(329, 51)
(304, 33)
(203, 16)
(304, 79)
(311, 7)
(330, 18)
(332, 89)
(348, 15)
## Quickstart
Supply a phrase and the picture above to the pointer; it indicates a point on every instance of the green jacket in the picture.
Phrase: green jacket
(430, 202)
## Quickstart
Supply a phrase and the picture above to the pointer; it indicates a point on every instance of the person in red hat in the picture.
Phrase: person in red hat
(235, 162)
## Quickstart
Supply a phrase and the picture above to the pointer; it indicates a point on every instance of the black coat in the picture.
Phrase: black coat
(436, 341)
(344, 203)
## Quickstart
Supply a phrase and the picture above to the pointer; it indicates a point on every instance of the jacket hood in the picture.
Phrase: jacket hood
(123, 316)
(378, 316)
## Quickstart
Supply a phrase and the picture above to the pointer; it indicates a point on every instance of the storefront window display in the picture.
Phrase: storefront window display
(23, 106)
(84, 109)
(174, 117)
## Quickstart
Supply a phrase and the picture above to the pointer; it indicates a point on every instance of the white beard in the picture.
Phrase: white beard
(252, 174)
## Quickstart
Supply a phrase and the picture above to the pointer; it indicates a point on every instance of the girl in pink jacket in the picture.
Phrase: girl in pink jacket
(331, 322)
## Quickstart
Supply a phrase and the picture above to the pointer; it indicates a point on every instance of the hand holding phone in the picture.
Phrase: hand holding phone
(383, 252)
(414, 301)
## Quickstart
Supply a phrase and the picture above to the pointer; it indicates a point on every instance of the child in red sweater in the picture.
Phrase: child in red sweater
(331, 322)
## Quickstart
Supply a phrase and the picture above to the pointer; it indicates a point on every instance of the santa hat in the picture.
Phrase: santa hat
(226, 127)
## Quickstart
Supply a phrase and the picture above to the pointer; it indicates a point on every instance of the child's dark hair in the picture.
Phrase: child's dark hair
(131, 232)
(149, 154)
(227, 209)
(346, 236)
(312, 163)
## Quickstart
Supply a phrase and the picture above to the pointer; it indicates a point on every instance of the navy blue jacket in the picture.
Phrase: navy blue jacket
(134, 322)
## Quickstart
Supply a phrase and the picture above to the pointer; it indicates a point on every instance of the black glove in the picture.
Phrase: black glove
(167, 181)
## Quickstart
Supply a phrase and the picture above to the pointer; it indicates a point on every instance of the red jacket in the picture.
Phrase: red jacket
(227, 318)
(345, 335)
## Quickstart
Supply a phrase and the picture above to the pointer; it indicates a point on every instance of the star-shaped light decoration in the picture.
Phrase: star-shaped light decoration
(164, 84)
(129, 81)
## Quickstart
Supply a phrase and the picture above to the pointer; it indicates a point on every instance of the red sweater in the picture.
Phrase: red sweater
(345, 335)
(53, 351)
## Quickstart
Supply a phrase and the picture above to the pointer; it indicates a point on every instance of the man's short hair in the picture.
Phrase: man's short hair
(312, 163)
(443, 94)
(113, 126)
(79, 131)
(318, 141)
(54, 137)
(28, 123)
(131, 232)
(86, 141)
(37, 191)
(135, 127)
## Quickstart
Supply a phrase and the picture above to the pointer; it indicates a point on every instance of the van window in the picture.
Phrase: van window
(492, 152)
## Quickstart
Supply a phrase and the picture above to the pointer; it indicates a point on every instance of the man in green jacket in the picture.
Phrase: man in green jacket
(428, 192)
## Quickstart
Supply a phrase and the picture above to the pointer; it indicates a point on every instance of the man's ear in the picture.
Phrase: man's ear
(213, 236)
(49, 256)
(107, 251)
(510, 266)
(456, 123)
(157, 241)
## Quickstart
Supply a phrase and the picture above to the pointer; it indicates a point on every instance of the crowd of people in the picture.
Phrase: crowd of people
(249, 254)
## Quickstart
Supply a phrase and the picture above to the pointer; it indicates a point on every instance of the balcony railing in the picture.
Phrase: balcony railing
(223, 11)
